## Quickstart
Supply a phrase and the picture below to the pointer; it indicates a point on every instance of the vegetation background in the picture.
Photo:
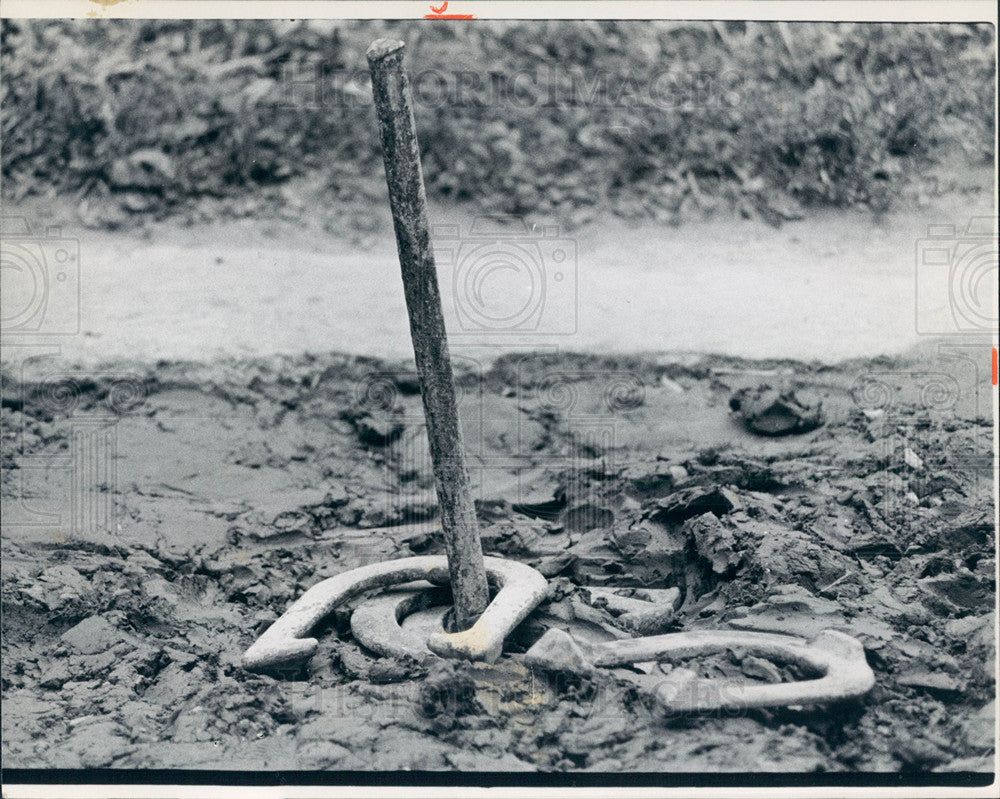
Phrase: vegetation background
(210, 118)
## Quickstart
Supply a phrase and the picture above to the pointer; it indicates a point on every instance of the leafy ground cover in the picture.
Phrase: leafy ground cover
(664, 120)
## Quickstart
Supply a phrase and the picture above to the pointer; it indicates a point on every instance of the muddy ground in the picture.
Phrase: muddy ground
(157, 518)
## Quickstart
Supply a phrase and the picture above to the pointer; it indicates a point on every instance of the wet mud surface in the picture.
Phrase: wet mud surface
(158, 518)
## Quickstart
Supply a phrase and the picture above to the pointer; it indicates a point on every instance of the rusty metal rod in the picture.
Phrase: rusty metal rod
(408, 200)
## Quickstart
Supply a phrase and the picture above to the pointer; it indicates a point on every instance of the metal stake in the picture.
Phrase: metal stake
(408, 200)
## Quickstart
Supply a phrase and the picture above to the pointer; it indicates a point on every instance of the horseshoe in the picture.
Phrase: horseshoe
(837, 656)
(521, 589)
(376, 624)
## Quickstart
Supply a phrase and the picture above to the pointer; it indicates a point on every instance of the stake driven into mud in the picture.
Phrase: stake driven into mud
(408, 201)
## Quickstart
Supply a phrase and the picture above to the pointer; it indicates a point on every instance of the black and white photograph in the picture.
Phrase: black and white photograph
(476, 396)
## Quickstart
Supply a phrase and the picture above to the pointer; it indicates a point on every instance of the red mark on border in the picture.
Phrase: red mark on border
(995, 366)
(439, 13)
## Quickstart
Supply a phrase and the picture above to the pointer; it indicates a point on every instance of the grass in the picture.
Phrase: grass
(659, 120)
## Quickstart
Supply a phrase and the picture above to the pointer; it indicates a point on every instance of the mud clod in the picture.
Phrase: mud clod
(772, 412)
(449, 692)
